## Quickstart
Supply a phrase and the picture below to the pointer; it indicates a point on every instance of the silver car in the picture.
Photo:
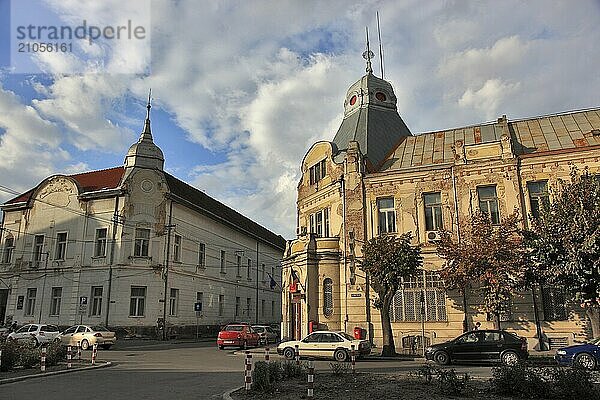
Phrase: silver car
(87, 336)
(266, 334)
(40, 333)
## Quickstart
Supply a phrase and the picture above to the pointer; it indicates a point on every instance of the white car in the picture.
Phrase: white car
(87, 335)
(336, 345)
(266, 334)
(40, 333)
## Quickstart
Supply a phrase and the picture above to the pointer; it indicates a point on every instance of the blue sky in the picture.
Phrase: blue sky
(242, 89)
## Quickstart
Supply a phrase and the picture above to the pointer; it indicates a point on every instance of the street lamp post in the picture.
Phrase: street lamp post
(423, 321)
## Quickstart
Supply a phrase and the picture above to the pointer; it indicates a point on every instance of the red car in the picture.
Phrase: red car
(238, 335)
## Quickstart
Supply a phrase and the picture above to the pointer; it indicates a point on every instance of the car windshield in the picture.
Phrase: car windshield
(345, 336)
(234, 328)
(595, 341)
(99, 328)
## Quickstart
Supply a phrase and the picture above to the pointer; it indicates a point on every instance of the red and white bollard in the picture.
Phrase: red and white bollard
(248, 371)
(311, 379)
(78, 350)
(94, 353)
(353, 358)
(267, 357)
(43, 359)
(297, 355)
(69, 363)
(0, 358)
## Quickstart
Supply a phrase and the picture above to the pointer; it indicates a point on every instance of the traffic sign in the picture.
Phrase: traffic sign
(82, 300)
(198, 306)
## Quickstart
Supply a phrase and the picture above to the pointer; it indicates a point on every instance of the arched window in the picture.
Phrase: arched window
(327, 297)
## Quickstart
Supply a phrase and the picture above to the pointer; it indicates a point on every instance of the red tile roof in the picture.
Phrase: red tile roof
(88, 182)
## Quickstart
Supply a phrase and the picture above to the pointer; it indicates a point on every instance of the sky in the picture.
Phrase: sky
(242, 89)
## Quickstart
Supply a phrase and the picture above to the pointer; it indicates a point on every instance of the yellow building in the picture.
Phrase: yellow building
(376, 177)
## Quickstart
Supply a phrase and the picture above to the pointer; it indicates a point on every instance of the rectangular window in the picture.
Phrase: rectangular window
(538, 196)
(142, 242)
(177, 248)
(248, 303)
(239, 266)
(137, 301)
(38, 250)
(100, 244)
(249, 269)
(173, 302)
(201, 255)
(55, 301)
(61, 246)
(96, 301)
(30, 303)
(488, 202)
(433, 211)
(263, 273)
(317, 172)
(554, 304)
(221, 304)
(9, 246)
(422, 297)
(238, 303)
(387, 215)
(262, 308)
(272, 308)
(223, 270)
(319, 223)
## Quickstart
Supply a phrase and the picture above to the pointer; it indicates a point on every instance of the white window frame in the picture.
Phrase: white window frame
(486, 203)
(202, 255)
(96, 303)
(406, 304)
(319, 222)
(9, 246)
(221, 304)
(223, 262)
(173, 302)
(177, 241)
(137, 302)
(100, 242)
(249, 273)
(386, 216)
(141, 246)
(434, 221)
(55, 301)
(38, 249)
(239, 266)
(317, 172)
(30, 302)
(60, 252)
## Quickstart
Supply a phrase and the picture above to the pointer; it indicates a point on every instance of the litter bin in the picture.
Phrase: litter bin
(359, 333)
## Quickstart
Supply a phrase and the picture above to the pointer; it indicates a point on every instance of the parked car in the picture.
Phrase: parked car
(40, 333)
(586, 355)
(266, 334)
(336, 345)
(88, 335)
(480, 346)
(238, 335)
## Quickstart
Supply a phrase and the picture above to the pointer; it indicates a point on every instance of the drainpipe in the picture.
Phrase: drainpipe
(343, 187)
(464, 291)
(164, 333)
(112, 257)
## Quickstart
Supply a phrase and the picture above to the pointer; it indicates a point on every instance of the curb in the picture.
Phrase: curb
(62, 371)
(227, 394)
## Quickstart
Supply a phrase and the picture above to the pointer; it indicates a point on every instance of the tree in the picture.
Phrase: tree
(387, 260)
(564, 242)
(490, 257)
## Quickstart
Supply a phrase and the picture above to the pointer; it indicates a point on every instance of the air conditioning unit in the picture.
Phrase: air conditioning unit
(433, 236)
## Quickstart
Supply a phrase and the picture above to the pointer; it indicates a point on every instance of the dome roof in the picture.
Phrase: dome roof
(144, 153)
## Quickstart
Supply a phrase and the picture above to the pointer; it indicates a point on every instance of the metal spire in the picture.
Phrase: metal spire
(147, 133)
(380, 45)
(368, 54)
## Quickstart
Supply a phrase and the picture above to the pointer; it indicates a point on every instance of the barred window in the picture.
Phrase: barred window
(406, 305)
(327, 297)
(554, 304)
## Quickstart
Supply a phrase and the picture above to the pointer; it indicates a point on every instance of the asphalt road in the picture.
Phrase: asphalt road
(151, 370)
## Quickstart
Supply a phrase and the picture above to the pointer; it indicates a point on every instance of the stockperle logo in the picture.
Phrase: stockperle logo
(69, 37)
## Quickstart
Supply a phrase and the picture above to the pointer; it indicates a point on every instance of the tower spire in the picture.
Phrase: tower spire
(147, 132)
(368, 54)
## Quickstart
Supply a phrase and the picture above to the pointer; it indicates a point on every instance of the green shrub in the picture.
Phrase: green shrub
(29, 354)
(573, 383)
(291, 370)
(340, 368)
(10, 355)
(55, 354)
(275, 371)
(427, 372)
(261, 378)
(520, 380)
(451, 384)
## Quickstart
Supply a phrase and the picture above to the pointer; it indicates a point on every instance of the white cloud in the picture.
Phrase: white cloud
(488, 97)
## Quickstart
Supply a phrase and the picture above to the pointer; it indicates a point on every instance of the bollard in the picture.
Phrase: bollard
(297, 355)
(311, 379)
(94, 353)
(0, 359)
(78, 350)
(69, 364)
(43, 359)
(267, 354)
(248, 371)
(353, 357)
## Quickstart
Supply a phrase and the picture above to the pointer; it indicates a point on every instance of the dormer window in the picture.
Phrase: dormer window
(317, 172)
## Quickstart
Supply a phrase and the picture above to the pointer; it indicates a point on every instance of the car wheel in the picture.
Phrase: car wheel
(441, 357)
(340, 355)
(289, 353)
(221, 347)
(85, 344)
(584, 360)
(510, 358)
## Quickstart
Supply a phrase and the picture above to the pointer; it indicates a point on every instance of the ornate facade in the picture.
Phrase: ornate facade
(376, 177)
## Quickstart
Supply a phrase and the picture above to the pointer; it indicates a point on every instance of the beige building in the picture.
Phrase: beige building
(130, 245)
(376, 177)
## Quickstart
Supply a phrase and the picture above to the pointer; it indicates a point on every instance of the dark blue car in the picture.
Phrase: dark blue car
(585, 355)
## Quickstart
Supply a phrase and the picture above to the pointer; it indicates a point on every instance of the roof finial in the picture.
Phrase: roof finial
(368, 54)
(380, 45)
(147, 133)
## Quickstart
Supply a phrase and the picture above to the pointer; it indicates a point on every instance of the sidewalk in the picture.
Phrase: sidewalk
(21, 375)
